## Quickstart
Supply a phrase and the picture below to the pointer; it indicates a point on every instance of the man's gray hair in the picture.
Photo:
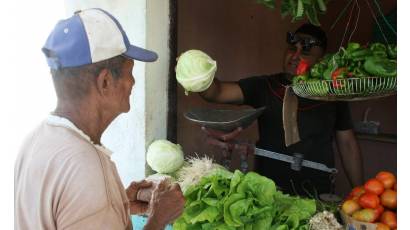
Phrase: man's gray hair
(74, 82)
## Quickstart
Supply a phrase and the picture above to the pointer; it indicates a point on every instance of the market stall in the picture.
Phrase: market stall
(227, 193)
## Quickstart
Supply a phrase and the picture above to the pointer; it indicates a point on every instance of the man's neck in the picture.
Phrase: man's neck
(85, 116)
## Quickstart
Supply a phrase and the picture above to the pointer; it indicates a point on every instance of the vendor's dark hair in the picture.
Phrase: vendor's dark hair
(314, 31)
(75, 82)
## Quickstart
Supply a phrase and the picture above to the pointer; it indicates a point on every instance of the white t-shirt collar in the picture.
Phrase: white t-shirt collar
(64, 122)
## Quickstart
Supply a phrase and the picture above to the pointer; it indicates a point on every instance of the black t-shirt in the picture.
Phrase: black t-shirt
(317, 123)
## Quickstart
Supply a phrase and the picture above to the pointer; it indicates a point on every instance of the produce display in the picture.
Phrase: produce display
(219, 199)
(353, 70)
(195, 71)
(222, 200)
(374, 202)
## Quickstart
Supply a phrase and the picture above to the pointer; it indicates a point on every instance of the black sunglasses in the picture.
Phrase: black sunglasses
(307, 43)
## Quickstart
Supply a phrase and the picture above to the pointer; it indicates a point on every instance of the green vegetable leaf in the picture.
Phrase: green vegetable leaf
(299, 10)
(229, 219)
(209, 214)
(286, 7)
(261, 187)
(311, 14)
(236, 179)
(321, 4)
(268, 3)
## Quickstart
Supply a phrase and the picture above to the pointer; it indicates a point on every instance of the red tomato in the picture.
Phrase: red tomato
(357, 191)
(381, 226)
(379, 210)
(387, 178)
(365, 215)
(395, 186)
(389, 218)
(374, 186)
(369, 200)
(350, 206)
(389, 199)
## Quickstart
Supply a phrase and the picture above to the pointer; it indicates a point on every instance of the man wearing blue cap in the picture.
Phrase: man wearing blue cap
(64, 177)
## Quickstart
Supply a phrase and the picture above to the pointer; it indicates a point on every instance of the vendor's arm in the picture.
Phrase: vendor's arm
(347, 145)
(223, 92)
(351, 156)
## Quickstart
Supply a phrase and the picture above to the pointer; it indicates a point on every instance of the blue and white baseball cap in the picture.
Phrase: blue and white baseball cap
(90, 36)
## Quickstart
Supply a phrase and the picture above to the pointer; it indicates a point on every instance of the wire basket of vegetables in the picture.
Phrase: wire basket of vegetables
(347, 89)
(355, 73)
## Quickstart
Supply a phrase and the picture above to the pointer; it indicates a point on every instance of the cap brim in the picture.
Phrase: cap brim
(140, 54)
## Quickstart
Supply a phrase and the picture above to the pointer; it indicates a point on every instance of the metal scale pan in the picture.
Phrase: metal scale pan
(223, 119)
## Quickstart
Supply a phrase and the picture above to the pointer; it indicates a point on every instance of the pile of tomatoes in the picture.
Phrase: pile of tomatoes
(374, 202)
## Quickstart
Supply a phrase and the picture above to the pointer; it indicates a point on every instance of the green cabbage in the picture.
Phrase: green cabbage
(164, 156)
(195, 71)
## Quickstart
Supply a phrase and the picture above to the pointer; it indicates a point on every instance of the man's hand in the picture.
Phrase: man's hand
(137, 207)
(167, 204)
(219, 138)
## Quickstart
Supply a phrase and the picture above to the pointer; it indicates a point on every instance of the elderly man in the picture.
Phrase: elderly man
(64, 177)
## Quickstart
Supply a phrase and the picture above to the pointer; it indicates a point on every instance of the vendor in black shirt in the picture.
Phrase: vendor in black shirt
(319, 122)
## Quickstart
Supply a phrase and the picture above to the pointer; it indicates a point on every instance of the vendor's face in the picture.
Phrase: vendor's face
(295, 52)
(123, 86)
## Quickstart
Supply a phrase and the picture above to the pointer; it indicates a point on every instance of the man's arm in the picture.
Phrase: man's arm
(223, 92)
(351, 156)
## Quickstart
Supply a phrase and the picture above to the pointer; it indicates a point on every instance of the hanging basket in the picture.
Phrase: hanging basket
(350, 89)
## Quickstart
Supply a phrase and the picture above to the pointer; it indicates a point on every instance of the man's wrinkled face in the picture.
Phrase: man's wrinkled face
(123, 86)
(298, 51)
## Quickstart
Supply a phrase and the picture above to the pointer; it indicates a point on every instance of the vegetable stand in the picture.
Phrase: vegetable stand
(217, 198)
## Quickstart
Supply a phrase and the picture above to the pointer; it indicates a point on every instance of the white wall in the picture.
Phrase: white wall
(156, 85)
(146, 24)
(26, 95)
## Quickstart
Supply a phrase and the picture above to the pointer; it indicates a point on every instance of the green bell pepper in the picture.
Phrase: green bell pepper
(378, 49)
(392, 51)
(352, 46)
(299, 79)
(317, 70)
(378, 66)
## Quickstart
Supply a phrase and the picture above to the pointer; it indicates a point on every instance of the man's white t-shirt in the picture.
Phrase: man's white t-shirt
(64, 181)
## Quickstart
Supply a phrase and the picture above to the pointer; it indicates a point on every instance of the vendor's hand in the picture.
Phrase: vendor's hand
(220, 135)
(167, 204)
(220, 138)
(137, 207)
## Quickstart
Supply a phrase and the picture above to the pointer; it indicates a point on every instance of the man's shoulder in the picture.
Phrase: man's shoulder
(264, 76)
(58, 144)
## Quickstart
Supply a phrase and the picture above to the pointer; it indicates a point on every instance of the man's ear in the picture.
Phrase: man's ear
(104, 81)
